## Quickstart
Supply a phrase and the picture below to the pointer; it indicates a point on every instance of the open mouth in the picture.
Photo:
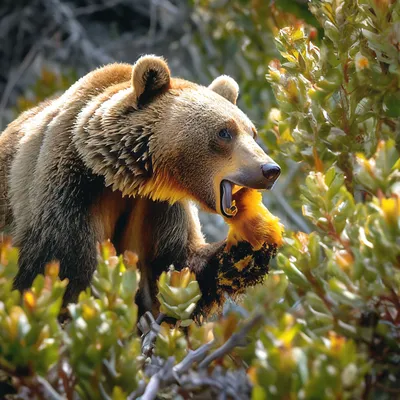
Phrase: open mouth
(262, 178)
(228, 204)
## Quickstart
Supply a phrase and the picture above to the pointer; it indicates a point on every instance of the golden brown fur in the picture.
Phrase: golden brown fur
(121, 155)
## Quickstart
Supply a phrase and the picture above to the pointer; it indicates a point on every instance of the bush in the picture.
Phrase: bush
(326, 322)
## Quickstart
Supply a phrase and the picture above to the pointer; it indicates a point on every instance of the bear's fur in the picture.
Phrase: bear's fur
(121, 155)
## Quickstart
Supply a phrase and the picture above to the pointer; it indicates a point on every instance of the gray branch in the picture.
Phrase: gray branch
(235, 340)
(187, 377)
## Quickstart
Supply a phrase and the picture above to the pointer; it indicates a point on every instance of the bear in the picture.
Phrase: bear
(126, 154)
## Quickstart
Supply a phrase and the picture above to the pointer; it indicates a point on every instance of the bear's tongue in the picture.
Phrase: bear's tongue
(228, 207)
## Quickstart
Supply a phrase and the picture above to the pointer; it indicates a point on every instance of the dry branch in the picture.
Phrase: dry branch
(186, 375)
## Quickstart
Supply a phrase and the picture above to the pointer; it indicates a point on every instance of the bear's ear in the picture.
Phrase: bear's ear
(150, 76)
(226, 87)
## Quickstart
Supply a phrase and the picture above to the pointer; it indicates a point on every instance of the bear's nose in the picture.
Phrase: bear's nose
(271, 171)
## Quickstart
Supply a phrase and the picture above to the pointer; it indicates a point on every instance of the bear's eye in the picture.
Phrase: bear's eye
(224, 134)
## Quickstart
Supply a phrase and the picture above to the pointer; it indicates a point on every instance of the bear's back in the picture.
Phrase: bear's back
(39, 133)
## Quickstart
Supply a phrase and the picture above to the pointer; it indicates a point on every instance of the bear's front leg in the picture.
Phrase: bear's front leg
(223, 267)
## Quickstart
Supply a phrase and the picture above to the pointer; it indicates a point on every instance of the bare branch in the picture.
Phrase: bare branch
(93, 8)
(182, 373)
(165, 375)
(193, 357)
(235, 340)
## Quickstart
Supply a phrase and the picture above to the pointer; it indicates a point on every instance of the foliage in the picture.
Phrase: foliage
(178, 293)
(47, 85)
(337, 115)
(95, 354)
(325, 324)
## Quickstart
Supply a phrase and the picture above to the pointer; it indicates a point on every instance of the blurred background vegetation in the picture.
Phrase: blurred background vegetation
(321, 81)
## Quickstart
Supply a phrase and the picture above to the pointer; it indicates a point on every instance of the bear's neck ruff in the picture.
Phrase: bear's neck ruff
(113, 146)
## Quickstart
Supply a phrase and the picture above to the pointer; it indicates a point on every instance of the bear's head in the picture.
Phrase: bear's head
(202, 142)
(169, 139)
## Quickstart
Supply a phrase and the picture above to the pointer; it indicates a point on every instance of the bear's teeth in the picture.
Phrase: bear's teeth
(236, 188)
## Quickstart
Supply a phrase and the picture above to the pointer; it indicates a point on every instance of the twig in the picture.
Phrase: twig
(191, 383)
(39, 386)
(235, 340)
(13, 80)
(193, 356)
(93, 8)
(103, 392)
(68, 382)
(153, 22)
(164, 375)
(138, 392)
(65, 17)
(149, 328)
(47, 390)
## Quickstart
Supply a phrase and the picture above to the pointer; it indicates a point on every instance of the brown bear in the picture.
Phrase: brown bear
(122, 155)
